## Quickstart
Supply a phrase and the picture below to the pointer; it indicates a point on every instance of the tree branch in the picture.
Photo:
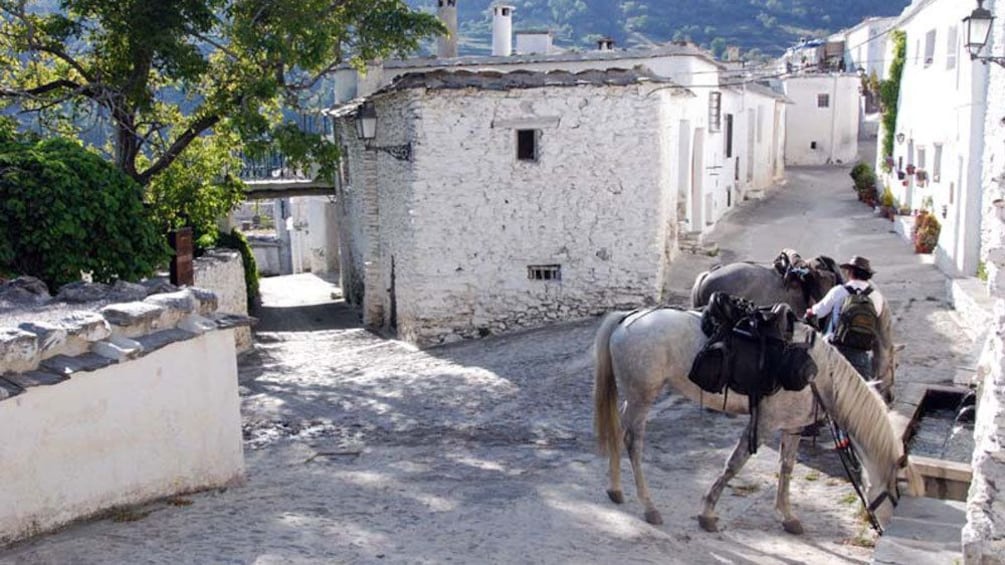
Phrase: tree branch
(44, 89)
(179, 145)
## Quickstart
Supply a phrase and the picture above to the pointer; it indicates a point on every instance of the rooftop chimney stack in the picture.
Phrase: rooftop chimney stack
(605, 44)
(502, 30)
(446, 45)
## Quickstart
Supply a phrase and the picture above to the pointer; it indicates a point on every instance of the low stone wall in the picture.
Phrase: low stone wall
(129, 403)
(222, 272)
(267, 256)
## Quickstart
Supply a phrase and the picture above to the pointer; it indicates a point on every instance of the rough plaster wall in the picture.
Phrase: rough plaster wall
(138, 430)
(594, 203)
(222, 271)
(834, 129)
(984, 535)
(350, 214)
(395, 185)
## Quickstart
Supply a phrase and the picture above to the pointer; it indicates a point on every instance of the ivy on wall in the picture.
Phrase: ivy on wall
(889, 90)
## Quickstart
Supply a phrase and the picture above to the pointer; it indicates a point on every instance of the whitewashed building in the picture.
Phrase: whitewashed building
(940, 129)
(983, 535)
(864, 47)
(822, 124)
(526, 197)
(724, 145)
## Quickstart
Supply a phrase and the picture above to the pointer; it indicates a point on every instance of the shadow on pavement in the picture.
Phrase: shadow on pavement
(303, 303)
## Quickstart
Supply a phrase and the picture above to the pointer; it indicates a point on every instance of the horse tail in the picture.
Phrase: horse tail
(606, 424)
(696, 290)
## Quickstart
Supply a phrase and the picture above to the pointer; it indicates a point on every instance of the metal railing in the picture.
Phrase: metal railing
(274, 166)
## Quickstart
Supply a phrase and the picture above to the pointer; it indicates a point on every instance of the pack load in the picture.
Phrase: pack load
(858, 323)
(750, 351)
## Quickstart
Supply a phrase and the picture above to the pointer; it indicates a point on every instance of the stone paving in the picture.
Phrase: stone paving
(365, 450)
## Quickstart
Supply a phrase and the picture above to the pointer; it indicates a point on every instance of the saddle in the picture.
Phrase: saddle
(750, 351)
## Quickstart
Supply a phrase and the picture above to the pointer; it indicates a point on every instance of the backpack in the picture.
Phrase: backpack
(858, 322)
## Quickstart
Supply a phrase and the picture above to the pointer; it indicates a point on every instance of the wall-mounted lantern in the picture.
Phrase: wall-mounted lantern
(366, 130)
(900, 137)
(977, 27)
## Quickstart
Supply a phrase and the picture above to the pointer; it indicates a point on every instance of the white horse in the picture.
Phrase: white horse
(642, 352)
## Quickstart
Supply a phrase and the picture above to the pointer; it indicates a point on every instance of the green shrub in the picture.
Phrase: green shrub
(236, 240)
(64, 210)
(887, 198)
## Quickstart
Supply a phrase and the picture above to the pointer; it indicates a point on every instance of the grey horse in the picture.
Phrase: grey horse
(639, 354)
(799, 284)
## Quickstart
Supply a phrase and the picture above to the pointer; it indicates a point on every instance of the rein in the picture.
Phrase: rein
(849, 461)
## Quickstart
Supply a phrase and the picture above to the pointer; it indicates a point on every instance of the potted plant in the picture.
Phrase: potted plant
(926, 232)
(911, 169)
(901, 175)
(888, 163)
(865, 182)
(887, 203)
(921, 175)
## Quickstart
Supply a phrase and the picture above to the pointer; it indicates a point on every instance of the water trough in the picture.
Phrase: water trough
(940, 440)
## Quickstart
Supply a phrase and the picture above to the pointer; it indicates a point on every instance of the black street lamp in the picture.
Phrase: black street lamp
(366, 130)
(978, 29)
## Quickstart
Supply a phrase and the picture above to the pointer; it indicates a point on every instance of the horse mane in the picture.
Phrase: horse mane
(859, 410)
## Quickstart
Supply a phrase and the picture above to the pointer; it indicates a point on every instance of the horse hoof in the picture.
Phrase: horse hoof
(794, 527)
(709, 523)
(616, 496)
(654, 518)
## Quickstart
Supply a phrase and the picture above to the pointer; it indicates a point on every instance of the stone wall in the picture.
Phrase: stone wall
(127, 403)
(467, 220)
(984, 534)
(222, 272)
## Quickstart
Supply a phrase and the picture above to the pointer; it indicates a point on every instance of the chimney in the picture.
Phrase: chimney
(534, 42)
(605, 44)
(502, 30)
(446, 45)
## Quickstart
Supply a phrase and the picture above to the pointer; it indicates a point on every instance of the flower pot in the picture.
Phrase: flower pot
(901, 175)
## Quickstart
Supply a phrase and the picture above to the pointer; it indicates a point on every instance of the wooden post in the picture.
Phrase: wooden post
(182, 269)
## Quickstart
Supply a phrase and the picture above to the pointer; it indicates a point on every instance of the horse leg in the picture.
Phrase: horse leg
(707, 519)
(614, 492)
(787, 457)
(635, 431)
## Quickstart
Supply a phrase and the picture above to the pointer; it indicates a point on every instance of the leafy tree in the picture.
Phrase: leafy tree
(65, 210)
(238, 62)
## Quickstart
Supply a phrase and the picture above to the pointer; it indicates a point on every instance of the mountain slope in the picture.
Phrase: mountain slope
(766, 25)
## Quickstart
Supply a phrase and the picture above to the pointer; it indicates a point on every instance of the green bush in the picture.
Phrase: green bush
(64, 210)
(236, 240)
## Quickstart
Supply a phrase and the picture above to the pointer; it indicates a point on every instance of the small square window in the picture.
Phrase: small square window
(544, 272)
(823, 100)
(813, 145)
(526, 144)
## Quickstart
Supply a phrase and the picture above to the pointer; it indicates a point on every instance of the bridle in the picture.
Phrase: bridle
(850, 461)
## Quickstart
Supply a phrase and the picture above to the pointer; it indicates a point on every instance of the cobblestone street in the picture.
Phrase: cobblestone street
(365, 450)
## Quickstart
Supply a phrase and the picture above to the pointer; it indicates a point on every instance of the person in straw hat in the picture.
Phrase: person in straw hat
(857, 272)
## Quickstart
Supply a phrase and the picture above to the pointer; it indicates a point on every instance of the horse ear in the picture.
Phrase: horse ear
(898, 347)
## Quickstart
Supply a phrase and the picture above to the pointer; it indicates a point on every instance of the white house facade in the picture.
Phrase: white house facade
(719, 144)
(940, 129)
(528, 197)
(822, 123)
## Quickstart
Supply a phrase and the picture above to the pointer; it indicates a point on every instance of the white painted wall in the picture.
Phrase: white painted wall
(466, 219)
(865, 48)
(983, 534)
(942, 103)
(314, 240)
(833, 130)
(163, 424)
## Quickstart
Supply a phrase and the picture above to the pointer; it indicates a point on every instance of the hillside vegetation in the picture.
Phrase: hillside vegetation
(769, 26)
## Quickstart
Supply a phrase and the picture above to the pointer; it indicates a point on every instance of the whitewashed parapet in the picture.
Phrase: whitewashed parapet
(222, 272)
(45, 353)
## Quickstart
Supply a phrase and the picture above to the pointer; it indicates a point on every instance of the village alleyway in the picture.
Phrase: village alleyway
(365, 450)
